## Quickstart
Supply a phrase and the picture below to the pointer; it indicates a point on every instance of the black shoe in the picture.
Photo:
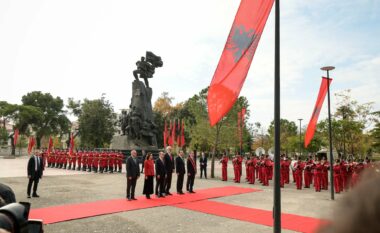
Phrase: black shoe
(28, 196)
(35, 195)
(129, 199)
(168, 193)
(191, 192)
(180, 193)
(134, 199)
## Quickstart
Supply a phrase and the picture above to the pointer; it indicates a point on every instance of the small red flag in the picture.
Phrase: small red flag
(173, 133)
(71, 150)
(170, 138)
(179, 134)
(15, 137)
(237, 56)
(165, 135)
(31, 144)
(317, 109)
(50, 146)
(183, 133)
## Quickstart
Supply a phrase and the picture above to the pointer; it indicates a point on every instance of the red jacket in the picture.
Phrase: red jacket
(149, 168)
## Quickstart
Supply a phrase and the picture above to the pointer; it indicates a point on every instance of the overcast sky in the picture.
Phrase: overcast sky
(81, 49)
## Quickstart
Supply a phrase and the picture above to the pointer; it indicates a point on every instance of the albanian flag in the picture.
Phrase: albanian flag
(170, 138)
(317, 109)
(71, 149)
(50, 146)
(15, 137)
(31, 144)
(237, 56)
(165, 134)
(183, 133)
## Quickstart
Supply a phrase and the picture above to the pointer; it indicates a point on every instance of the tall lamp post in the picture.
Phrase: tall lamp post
(300, 136)
(327, 69)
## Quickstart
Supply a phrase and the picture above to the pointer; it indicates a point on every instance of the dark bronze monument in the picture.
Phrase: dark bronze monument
(138, 130)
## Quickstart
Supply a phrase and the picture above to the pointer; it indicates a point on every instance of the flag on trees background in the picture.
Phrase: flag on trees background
(50, 146)
(237, 56)
(31, 144)
(15, 137)
(317, 109)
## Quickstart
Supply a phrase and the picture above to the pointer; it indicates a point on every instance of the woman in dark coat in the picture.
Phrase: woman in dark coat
(149, 174)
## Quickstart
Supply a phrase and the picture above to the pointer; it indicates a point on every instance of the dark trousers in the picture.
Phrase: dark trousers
(148, 185)
(180, 182)
(160, 184)
(31, 181)
(204, 169)
(168, 182)
(131, 185)
(190, 182)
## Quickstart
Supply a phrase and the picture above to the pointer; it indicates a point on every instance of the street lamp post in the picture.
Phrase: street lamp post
(300, 137)
(328, 68)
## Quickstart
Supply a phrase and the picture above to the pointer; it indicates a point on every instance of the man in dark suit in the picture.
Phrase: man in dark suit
(203, 165)
(191, 171)
(35, 170)
(160, 175)
(180, 170)
(169, 166)
(133, 173)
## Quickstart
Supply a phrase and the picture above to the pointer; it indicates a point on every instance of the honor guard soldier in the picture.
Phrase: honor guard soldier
(120, 157)
(90, 157)
(224, 162)
(95, 161)
(79, 160)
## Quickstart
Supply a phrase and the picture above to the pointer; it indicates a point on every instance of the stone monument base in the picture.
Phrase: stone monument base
(123, 142)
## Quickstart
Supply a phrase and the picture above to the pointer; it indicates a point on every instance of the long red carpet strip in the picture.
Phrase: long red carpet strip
(62, 213)
(257, 216)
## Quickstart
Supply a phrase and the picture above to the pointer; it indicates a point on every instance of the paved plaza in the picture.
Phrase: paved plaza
(59, 187)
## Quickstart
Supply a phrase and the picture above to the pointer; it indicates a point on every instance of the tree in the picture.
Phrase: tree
(53, 120)
(163, 104)
(376, 133)
(97, 121)
(288, 130)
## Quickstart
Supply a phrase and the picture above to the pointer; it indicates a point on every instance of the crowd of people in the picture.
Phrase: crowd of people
(162, 170)
(85, 160)
(312, 171)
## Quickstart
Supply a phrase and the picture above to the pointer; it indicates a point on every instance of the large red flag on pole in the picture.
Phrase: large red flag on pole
(179, 133)
(183, 133)
(237, 56)
(165, 135)
(50, 146)
(71, 150)
(31, 144)
(173, 133)
(170, 138)
(317, 109)
(15, 137)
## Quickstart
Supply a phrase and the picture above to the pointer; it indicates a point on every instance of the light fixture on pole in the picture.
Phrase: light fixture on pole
(327, 69)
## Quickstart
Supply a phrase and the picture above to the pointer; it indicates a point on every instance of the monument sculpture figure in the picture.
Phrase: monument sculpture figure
(138, 130)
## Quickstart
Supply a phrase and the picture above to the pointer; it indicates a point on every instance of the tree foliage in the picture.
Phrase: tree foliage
(97, 121)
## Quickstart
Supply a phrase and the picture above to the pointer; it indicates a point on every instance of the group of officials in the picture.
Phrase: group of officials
(313, 170)
(162, 170)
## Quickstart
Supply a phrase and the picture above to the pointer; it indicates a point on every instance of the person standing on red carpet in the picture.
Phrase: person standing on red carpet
(224, 162)
(160, 175)
(169, 165)
(180, 170)
(149, 174)
(191, 172)
(133, 173)
(120, 158)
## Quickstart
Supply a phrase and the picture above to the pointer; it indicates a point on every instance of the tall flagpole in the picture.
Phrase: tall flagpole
(277, 190)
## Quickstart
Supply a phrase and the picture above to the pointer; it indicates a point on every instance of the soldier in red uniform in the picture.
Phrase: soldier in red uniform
(282, 171)
(84, 160)
(235, 163)
(247, 168)
(298, 169)
(317, 175)
(120, 158)
(90, 157)
(358, 168)
(66, 158)
(350, 171)
(287, 169)
(337, 176)
(343, 174)
(240, 163)
(325, 179)
(95, 161)
(265, 170)
(252, 168)
(111, 163)
(79, 160)
(308, 172)
(224, 162)
(102, 161)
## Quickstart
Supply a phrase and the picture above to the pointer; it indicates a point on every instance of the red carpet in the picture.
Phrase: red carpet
(262, 217)
(62, 213)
